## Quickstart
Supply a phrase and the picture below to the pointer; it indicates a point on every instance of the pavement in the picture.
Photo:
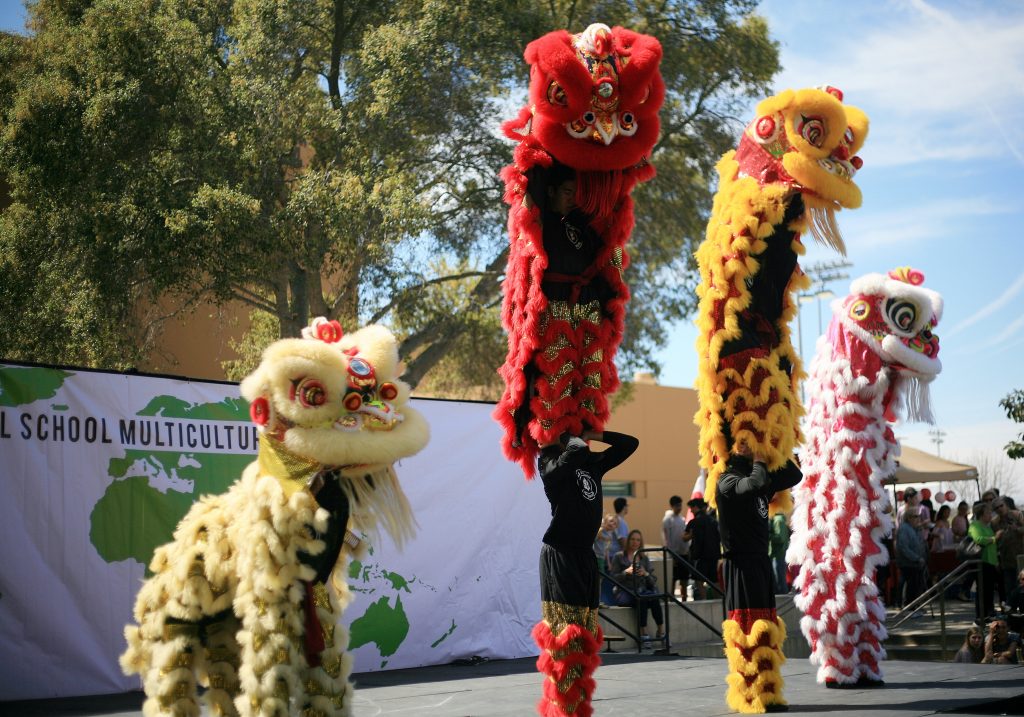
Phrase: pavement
(644, 685)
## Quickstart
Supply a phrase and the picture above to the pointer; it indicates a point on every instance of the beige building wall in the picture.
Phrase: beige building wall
(195, 344)
(666, 463)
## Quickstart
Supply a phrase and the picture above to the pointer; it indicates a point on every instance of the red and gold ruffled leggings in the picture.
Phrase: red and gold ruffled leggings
(570, 642)
(573, 376)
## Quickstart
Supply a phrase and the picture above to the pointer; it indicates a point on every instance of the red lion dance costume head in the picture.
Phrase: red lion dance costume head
(593, 121)
(880, 352)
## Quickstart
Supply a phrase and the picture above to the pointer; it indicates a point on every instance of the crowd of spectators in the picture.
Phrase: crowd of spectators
(926, 544)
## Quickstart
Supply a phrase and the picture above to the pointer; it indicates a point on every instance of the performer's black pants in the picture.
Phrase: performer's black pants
(748, 582)
(680, 572)
(569, 576)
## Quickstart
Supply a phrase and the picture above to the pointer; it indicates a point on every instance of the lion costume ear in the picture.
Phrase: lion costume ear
(255, 385)
(858, 122)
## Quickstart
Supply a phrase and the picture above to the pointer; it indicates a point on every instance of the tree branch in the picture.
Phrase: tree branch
(383, 311)
(247, 296)
(438, 334)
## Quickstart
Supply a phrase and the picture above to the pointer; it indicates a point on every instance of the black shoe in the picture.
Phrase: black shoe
(776, 707)
(835, 685)
(867, 683)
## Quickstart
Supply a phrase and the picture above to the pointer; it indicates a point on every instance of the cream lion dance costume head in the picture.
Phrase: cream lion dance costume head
(793, 169)
(240, 601)
(880, 352)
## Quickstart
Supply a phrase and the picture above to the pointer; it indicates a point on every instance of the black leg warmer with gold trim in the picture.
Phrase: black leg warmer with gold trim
(570, 643)
(753, 647)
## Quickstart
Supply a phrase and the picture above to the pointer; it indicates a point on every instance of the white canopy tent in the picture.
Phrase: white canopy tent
(916, 466)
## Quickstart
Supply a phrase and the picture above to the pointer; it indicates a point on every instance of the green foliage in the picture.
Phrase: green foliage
(320, 158)
(264, 329)
(467, 368)
(1013, 404)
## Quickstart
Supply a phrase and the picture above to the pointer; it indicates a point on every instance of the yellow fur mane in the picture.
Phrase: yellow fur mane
(725, 262)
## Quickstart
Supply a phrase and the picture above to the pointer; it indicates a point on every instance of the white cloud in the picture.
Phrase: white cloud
(932, 221)
(996, 343)
(989, 308)
(937, 86)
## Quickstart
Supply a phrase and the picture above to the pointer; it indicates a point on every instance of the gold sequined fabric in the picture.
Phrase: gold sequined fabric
(574, 314)
(576, 339)
(292, 472)
(558, 616)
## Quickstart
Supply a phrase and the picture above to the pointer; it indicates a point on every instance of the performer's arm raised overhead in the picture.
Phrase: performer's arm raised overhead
(621, 447)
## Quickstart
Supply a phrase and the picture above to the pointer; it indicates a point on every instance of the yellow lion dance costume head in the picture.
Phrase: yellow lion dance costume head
(240, 601)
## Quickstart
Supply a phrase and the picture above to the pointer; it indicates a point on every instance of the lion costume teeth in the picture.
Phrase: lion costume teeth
(242, 601)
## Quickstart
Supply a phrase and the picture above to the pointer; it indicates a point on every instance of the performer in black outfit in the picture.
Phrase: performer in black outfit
(568, 634)
(753, 633)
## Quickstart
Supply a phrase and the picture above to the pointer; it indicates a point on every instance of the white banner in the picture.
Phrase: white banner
(96, 469)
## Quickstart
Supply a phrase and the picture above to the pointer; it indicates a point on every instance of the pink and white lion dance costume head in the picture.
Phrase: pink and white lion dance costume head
(879, 352)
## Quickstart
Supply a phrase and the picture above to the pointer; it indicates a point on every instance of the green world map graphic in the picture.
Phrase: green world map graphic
(150, 491)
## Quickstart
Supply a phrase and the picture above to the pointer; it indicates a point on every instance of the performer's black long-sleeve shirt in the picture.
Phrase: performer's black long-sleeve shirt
(742, 494)
(572, 484)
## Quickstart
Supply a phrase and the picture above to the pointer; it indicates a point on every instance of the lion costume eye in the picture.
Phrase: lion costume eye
(902, 314)
(860, 310)
(556, 95)
(311, 393)
(812, 129)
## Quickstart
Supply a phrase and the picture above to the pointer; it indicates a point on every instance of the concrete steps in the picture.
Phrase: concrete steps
(921, 639)
(917, 639)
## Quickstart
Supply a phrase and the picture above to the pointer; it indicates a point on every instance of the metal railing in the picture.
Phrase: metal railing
(937, 592)
(666, 595)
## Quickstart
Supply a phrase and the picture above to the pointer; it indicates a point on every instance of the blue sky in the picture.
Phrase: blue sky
(12, 15)
(943, 85)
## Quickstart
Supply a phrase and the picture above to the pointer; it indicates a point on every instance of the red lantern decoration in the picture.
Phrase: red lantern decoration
(950, 496)
(925, 494)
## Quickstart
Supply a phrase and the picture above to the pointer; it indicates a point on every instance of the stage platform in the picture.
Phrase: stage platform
(640, 685)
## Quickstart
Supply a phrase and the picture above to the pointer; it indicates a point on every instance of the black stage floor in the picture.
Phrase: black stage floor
(642, 685)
